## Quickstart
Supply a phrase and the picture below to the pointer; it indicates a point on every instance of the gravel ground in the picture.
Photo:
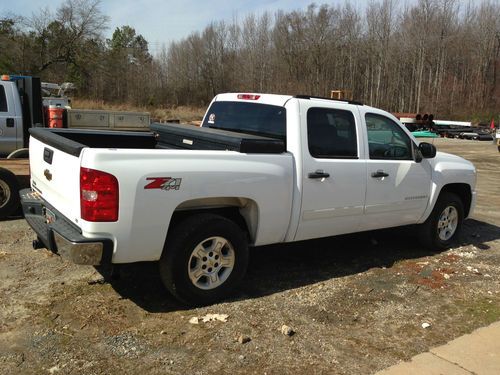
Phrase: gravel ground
(352, 304)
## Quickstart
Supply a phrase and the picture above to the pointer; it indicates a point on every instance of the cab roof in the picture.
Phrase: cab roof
(273, 99)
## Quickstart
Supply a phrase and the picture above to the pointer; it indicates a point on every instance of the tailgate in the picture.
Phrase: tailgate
(55, 174)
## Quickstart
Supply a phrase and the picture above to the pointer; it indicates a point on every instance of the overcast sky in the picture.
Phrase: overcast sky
(163, 21)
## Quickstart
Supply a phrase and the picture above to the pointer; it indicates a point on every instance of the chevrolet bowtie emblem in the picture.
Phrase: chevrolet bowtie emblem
(47, 174)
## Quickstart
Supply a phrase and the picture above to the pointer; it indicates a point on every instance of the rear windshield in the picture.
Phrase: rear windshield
(252, 118)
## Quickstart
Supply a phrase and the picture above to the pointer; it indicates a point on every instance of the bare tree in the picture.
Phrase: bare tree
(429, 55)
(61, 37)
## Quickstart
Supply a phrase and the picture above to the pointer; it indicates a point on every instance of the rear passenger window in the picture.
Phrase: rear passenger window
(3, 100)
(331, 133)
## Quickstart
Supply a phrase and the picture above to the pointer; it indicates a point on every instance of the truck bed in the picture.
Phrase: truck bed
(162, 136)
(155, 182)
(72, 141)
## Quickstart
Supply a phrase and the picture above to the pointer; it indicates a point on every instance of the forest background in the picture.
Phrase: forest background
(433, 56)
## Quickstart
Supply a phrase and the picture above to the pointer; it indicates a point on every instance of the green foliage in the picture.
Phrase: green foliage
(6, 26)
(126, 44)
(7, 43)
(128, 60)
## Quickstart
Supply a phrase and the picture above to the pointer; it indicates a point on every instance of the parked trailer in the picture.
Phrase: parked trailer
(58, 106)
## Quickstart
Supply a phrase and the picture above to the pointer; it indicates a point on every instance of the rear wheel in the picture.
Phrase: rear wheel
(204, 259)
(444, 224)
(9, 193)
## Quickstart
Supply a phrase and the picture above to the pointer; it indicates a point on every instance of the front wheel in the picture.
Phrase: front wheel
(444, 224)
(204, 259)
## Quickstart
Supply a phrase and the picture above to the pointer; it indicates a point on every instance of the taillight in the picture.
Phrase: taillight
(248, 96)
(98, 195)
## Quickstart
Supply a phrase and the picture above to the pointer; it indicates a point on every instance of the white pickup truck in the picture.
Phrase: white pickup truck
(262, 169)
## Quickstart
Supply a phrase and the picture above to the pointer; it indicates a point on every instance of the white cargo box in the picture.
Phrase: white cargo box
(129, 120)
(100, 119)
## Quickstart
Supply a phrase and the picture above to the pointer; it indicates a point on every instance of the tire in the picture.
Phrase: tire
(443, 226)
(204, 259)
(9, 193)
(22, 153)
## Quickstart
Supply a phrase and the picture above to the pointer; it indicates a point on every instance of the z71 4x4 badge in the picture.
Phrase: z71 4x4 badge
(163, 183)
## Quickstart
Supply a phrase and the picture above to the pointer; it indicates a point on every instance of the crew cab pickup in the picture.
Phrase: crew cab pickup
(262, 169)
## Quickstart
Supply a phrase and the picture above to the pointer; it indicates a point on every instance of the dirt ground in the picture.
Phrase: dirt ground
(356, 303)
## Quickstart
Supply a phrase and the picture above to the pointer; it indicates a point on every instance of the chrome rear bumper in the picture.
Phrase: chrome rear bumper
(61, 236)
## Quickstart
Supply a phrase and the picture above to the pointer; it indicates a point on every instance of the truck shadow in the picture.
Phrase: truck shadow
(282, 267)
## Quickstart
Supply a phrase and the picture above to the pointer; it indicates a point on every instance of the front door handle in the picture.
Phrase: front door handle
(9, 122)
(379, 174)
(318, 174)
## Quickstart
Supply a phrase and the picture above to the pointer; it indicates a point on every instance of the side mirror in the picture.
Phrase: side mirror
(427, 150)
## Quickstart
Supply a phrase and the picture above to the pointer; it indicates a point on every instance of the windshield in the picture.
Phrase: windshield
(260, 119)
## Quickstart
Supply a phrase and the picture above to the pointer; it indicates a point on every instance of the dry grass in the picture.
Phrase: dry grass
(182, 113)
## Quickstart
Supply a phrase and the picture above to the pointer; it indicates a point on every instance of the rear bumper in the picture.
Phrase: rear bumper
(61, 236)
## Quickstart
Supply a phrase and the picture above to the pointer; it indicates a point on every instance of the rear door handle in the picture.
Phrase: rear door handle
(318, 174)
(380, 173)
(9, 122)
